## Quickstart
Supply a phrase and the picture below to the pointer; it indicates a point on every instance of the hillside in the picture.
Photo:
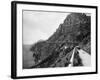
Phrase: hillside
(57, 50)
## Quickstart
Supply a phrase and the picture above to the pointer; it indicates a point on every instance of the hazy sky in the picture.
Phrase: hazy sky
(40, 25)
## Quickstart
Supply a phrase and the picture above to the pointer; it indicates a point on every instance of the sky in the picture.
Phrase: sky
(39, 25)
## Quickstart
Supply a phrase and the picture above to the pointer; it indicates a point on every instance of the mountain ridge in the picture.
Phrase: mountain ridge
(75, 30)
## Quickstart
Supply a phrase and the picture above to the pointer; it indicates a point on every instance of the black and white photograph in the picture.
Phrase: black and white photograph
(54, 39)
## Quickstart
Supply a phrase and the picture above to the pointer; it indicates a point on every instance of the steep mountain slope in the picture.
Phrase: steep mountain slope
(57, 50)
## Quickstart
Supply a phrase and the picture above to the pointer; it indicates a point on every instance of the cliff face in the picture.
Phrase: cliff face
(75, 31)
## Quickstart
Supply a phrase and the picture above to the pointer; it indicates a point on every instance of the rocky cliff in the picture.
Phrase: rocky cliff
(57, 50)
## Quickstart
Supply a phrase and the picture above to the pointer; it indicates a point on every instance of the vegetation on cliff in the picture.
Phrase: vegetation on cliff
(74, 31)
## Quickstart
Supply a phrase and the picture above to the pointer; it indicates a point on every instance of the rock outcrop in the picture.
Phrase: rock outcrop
(57, 50)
